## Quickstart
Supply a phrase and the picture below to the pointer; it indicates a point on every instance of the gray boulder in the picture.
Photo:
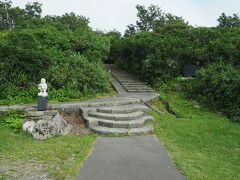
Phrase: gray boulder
(45, 124)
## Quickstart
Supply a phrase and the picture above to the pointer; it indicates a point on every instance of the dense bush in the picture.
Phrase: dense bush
(28, 55)
(12, 119)
(218, 86)
(115, 40)
(75, 73)
(63, 49)
(158, 55)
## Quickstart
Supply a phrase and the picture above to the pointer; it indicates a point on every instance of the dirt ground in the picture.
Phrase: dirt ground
(21, 170)
(79, 127)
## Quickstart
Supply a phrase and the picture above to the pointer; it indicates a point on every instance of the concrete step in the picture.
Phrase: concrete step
(86, 110)
(123, 109)
(122, 124)
(114, 101)
(109, 131)
(128, 81)
(148, 119)
(126, 124)
(92, 121)
(148, 129)
(122, 76)
(126, 78)
(117, 117)
(141, 131)
(137, 88)
(140, 90)
(136, 85)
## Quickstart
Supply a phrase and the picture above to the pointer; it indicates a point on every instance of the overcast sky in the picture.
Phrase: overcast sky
(117, 14)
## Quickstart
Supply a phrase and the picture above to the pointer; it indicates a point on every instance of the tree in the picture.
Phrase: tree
(73, 21)
(15, 17)
(115, 39)
(147, 16)
(5, 19)
(33, 9)
(69, 20)
(151, 18)
(131, 29)
(228, 21)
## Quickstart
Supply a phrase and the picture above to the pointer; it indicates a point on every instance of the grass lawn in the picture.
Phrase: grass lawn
(60, 157)
(203, 144)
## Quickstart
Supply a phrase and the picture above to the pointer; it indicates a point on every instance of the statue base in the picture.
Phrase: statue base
(42, 103)
(45, 124)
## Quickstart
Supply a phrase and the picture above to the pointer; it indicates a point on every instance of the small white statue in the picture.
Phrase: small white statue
(43, 88)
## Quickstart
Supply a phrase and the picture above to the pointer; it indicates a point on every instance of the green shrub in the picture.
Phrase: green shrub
(75, 72)
(12, 119)
(27, 55)
(160, 55)
(94, 46)
(115, 40)
(218, 86)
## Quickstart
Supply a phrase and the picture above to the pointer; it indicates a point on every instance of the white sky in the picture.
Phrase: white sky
(117, 14)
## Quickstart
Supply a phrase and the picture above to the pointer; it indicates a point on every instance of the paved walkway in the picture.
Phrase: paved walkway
(129, 158)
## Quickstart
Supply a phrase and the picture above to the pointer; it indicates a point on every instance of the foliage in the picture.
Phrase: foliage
(15, 17)
(203, 144)
(160, 44)
(75, 72)
(12, 119)
(218, 86)
(63, 49)
(115, 40)
(229, 21)
(161, 55)
(152, 18)
(69, 21)
(95, 46)
(33, 9)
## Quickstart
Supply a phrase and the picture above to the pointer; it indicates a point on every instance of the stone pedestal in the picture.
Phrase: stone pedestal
(42, 103)
(45, 124)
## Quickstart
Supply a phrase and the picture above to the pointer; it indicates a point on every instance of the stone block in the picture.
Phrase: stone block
(45, 124)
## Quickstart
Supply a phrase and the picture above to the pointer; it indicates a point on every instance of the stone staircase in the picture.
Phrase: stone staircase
(119, 118)
(129, 82)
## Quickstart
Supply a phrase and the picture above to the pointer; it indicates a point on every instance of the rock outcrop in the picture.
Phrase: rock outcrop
(45, 124)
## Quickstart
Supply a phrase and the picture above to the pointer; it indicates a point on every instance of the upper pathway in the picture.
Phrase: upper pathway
(129, 158)
(123, 82)
(129, 86)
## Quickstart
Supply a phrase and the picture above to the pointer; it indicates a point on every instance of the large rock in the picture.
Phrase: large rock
(45, 124)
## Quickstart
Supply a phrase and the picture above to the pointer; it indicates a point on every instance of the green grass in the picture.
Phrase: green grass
(203, 144)
(61, 156)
